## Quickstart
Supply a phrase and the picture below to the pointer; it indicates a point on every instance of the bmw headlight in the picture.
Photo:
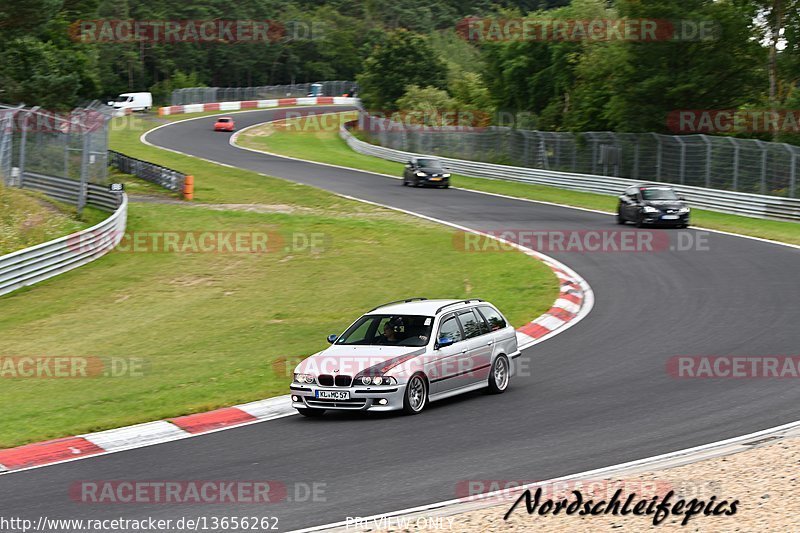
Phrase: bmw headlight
(684, 210)
(650, 209)
(421, 174)
(304, 378)
(376, 380)
(445, 175)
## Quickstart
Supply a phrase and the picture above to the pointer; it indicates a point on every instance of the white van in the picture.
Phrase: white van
(133, 101)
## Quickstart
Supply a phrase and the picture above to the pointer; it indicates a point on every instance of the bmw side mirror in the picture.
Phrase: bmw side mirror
(332, 338)
(444, 342)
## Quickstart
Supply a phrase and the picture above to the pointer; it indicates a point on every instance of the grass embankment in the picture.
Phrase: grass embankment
(213, 329)
(317, 139)
(28, 218)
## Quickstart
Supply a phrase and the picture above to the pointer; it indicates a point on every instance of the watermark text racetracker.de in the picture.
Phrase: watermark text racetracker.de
(201, 492)
(581, 241)
(121, 31)
(70, 367)
(596, 29)
(734, 366)
(715, 121)
(202, 241)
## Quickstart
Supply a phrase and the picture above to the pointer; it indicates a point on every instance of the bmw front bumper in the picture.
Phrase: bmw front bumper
(361, 397)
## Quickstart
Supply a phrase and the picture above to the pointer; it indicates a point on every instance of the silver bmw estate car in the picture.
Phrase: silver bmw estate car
(404, 354)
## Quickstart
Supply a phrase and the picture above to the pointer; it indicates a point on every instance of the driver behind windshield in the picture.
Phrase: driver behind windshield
(389, 335)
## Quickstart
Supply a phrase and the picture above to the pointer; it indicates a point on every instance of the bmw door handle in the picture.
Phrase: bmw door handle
(490, 343)
(464, 350)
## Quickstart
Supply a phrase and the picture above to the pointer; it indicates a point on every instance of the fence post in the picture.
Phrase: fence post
(682, 167)
(636, 159)
(575, 152)
(792, 169)
(735, 184)
(66, 155)
(84, 184)
(708, 159)
(22, 146)
(763, 186)
(658, 156)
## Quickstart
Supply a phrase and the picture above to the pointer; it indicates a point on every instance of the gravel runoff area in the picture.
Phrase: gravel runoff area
(763, 479)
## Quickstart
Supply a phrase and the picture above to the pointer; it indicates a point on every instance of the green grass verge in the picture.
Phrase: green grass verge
(304, 139)
(28, 218)
(216, 329)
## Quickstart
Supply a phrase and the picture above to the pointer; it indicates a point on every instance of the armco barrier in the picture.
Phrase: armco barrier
(37, 263)
(257, 104)
(737, 203)
(165, 177)
(67, 190)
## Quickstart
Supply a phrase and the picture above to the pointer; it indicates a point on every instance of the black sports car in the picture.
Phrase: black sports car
(426, 171)
(650, 205)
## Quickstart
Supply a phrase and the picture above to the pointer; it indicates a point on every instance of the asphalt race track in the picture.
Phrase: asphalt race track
(598, 394)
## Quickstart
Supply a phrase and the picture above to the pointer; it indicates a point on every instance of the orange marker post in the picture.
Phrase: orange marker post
(188, 188)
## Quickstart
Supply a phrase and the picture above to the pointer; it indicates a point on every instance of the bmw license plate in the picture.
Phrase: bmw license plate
(332, 395)
(669, 217)
(436, 179)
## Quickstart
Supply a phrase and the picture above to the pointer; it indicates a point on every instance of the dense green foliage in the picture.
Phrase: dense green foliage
(412, 54)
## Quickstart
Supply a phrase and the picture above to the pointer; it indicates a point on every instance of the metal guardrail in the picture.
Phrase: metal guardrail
(67, 190)
(737, 203)
(165, 177)
(37, 263)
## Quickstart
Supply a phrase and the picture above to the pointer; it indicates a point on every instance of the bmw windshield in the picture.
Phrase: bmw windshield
(388, 330)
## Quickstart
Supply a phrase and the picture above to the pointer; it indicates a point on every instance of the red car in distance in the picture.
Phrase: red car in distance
(224, 124)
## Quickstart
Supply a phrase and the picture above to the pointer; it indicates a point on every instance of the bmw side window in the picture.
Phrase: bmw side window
(482, 322)
(470, 324)
(450, 329)
(494, 319)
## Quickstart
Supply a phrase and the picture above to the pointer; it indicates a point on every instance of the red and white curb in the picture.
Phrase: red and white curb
(141, 435)
(256, 104)
(568, 306)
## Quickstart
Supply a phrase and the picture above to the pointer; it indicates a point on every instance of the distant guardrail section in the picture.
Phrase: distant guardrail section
(163, 176)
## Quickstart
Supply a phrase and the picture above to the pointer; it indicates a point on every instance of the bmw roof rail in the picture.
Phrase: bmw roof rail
(459, 302)
(396, 302)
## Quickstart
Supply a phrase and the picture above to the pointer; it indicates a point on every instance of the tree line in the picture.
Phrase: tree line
(432, 55)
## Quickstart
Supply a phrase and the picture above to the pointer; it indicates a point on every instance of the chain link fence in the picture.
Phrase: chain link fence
(36, 143)
(205, 95)
(727, 163)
